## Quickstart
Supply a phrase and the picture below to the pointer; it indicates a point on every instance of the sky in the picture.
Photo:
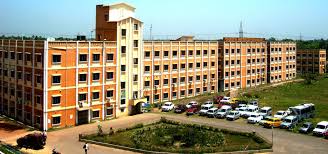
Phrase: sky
(169, 18)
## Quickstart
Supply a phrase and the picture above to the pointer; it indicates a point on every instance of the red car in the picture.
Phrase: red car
(325, 135)
(217, 99)
(193, 110)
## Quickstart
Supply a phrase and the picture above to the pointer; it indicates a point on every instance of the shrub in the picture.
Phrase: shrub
(34, 141)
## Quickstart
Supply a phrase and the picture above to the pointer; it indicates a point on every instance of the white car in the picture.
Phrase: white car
(211, 112)
(204, 109)
(250, 109)
(233, 115)
(281, 114)
(321, 128)
(254, 102)
(223, 111)
(225, 100)
(254, 118)
(265, 111)
(208, 103)
(168, 106)
(242, 110)
(190, 104)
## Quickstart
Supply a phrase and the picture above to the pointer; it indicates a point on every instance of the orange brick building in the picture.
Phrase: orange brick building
(311, 61)
(50, 84)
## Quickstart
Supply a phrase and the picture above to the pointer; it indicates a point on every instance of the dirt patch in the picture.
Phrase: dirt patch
(9, 129)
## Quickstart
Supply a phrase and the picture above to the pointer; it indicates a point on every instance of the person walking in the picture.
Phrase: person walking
(86, 147)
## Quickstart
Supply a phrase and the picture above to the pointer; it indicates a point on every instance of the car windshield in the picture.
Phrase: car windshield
(225, 98)
(305, 125)
(205, 108)
(250, 110)
(269, 119)
(279, 113)
(242, 109)
(232, 113)
(320, 127)
(222, 110)
(166, 104)
(263, 111)
(211, 111)
(287, 120)
(253, 116)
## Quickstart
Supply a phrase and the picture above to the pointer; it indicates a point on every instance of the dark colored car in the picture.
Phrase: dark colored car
(193, 110)
(180, 108)
(306, 128)
(217, 99)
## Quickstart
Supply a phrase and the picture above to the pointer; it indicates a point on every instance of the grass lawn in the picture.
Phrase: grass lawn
(162, 136)
(6, 150)
(291, 94)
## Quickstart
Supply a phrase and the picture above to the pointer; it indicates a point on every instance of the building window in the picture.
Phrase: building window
(19, 75)
(166, 54)
(109, 93)
(96, 57)
(135, 61)
(56, 120)
(123, 49)
(182, 66)
(238, 50)
(123, 32)
(110, 75)
(38, 78)
(20, 56)
(12, 55)
(183, 53)
(175, 54)
(55, 100)
(198, 52)
(156, 69)
(191, 52)
(166, 68)
(147, 54)
(182, 93)
(175, 67)
(95, 114)
(56, 59)
(156, 83)
(110, 57)
(38, 58)
(82, 97)
(205, 64)
(198, 65)
(82, 77)
(109, 111)
(166, 82)
(56, 80)
(83, 57)
(135, 43)
(95, 76)
(147, 69)
(95, 95)
(123, 68)
(190, 65)
(157, 54)
(212, 52)
(165, 96)
(205, 52)
(135, 77)
(135, 26)
(147, 83)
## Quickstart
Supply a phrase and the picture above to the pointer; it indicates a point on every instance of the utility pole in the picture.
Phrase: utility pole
(301, 37)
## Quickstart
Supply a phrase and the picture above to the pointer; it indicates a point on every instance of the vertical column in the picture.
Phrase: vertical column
(89, 80)
(33, 86)
(77, 82)
(103, 80)
(23, 86)
(15, 95)
(45, 87)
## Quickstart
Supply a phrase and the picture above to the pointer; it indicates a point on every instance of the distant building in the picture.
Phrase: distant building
(50, 83)
(311, 61)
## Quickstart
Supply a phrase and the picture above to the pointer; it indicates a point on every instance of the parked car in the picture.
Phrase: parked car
(272, 122)
(190, 104)
(180, 108)
(321, 128)
(223, 111)
(145, 107)
(168, 106)
(225, 100)
(217, 99)
(289, 122)
(211, 112)
(254, 118)
(306, 128)
(233, 115)
(264, 120)
(204, 109)
(208, 103)
(281, 114)
(242, 111)
(254, 102)
(193, 110)
(265, 111)
(250, 109)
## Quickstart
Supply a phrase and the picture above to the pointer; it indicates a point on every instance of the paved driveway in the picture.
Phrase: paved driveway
(66, 140)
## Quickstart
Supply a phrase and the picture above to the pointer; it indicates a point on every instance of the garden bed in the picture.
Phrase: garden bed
(175, 137)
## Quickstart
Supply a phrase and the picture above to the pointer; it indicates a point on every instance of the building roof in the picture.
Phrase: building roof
(119, 4)
(244, 39)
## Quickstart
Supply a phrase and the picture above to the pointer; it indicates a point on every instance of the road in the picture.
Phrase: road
(66, 140)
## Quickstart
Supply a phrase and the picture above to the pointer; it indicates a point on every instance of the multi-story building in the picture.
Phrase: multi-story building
(311, 61)
(281, 61)
(175, 69)
(50, 84)
(244, 62)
